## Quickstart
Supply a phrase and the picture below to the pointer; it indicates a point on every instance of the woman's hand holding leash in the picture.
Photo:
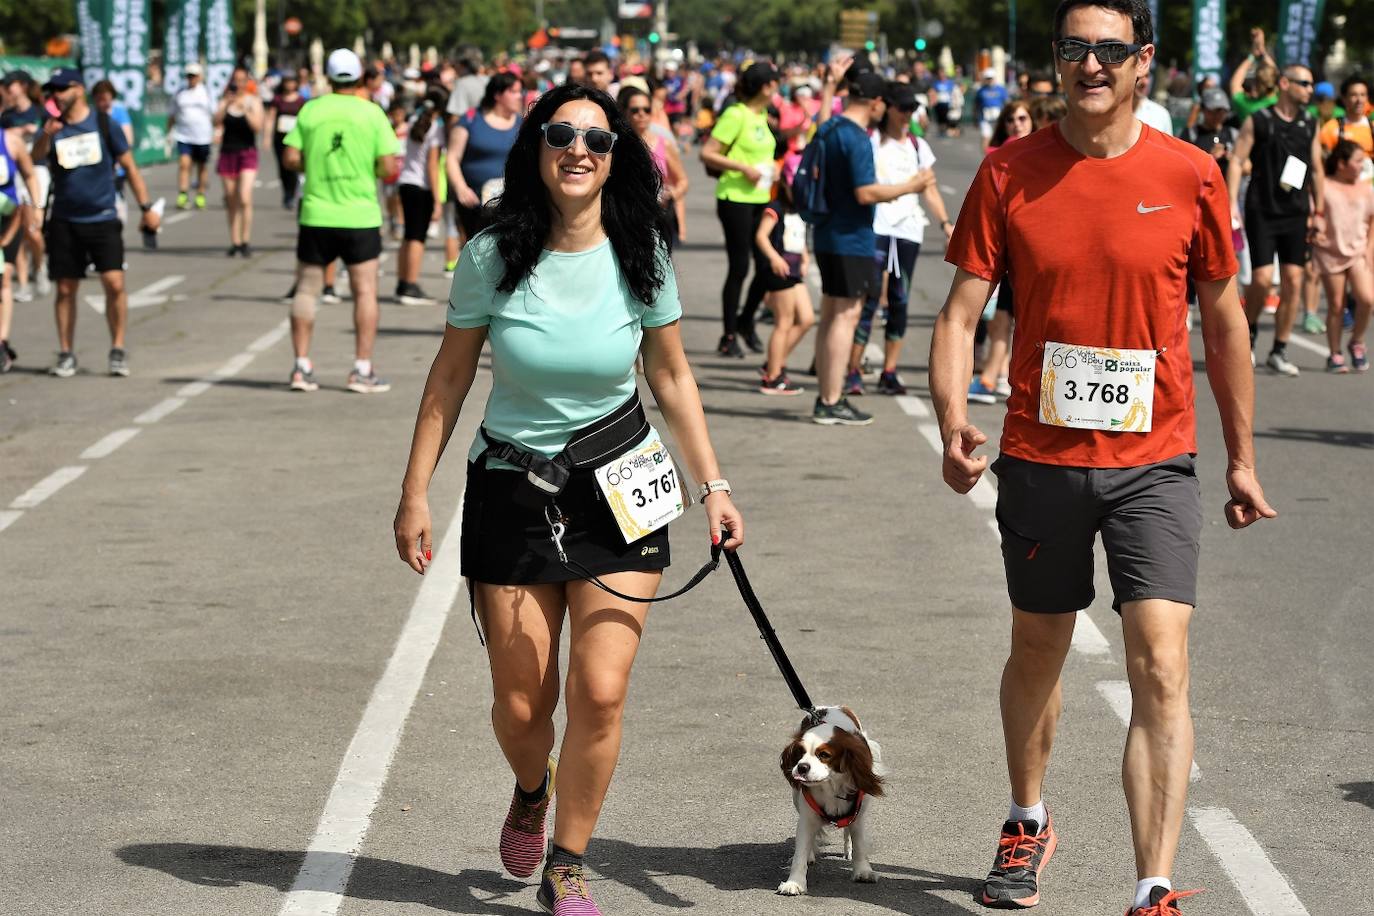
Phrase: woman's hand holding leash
(722, 514)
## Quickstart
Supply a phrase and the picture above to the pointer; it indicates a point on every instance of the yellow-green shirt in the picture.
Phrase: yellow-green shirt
(341, 137)
(744, 136)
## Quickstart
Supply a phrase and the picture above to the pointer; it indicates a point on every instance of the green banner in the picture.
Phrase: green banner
(1299, 21)
(182, 43)
(1209, 38)
(114, 46)
(40, 68)
(219, 45)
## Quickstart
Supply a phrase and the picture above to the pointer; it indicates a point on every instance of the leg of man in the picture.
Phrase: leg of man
(184, 173)
(362, 277)
(1261, 280)
(1031, 698)
(1159, 743)
(116, 305)
(65, 308)
(1291, 277)
(839, 318)
(309, 282)
(605, 637)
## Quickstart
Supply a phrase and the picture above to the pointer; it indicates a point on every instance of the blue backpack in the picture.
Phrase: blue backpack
(808, 185)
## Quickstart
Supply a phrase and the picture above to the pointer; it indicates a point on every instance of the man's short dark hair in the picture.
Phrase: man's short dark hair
(1142, 24)
(1354, 79)
(595, 57)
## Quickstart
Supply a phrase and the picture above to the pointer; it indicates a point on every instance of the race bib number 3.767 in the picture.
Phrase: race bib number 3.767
(643, 490)
(1098, 388)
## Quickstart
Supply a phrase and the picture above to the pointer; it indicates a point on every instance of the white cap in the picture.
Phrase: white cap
(343, 66)
(990, 73)
(411, 73)
(192, 70)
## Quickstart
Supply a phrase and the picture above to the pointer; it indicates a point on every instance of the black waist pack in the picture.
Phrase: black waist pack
(591, 446)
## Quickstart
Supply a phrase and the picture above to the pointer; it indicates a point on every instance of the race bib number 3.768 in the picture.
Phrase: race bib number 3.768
(643, 490)
(1098, 388)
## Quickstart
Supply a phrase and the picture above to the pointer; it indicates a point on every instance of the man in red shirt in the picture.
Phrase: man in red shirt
(1101, 220)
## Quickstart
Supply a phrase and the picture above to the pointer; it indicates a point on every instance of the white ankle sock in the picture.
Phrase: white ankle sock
(1035, 813)
(1145, 885)
(303, 363)
(362, 366)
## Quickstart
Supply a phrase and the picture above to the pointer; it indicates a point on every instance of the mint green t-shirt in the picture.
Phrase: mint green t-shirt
(563, 345)
(744, 137)
(341, 137)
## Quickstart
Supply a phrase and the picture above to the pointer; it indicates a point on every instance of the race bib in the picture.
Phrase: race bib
(990, 115)
(643, 490)
(82, 149)
(492, 189)
(1294, 174)
(793, 234)
(285, 123)
(1097, 388)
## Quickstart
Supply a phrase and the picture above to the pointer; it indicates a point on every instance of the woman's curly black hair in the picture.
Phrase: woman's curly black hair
(630, 212)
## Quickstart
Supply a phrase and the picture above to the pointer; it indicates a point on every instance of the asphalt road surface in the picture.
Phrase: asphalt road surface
(221, 692)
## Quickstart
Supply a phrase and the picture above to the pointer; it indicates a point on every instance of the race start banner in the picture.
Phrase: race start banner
(114, 46)
(1209, 38)
(1299, 21)
(182, 44)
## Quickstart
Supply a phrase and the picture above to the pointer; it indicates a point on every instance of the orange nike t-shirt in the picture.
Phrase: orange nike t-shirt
(1099, 252)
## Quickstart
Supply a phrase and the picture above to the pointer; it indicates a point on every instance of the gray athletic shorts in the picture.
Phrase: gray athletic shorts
(1151, 523)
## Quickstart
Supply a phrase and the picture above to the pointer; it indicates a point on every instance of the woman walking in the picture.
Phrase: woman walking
(477, 149)
(782, 261)
(281, 117)
(416, 185)
(571, 283)
(1344, 252)
(742, 150)
(636, 105)
(240, 116)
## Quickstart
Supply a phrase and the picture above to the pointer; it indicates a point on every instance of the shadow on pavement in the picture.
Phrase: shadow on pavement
(1341, 437)
(1362, 792)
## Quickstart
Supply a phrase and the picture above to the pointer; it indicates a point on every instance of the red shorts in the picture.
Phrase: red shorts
(236, 161)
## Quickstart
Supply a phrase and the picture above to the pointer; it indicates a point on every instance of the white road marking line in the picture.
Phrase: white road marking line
(48, 486)
(235, 365)
(1320, 349)
(270, 338)
(914, 407)
(931, 433)
(948, 190)
(107, 445)
(1087, 638)
(1266, 891)
(1118, 697)
(152, 294)
(8, 517)
(319, 886)
(195, 389)
(159, 410)
(176, 218)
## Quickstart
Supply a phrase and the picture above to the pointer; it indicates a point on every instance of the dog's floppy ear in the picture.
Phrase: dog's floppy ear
(856, 759)
(791, 755)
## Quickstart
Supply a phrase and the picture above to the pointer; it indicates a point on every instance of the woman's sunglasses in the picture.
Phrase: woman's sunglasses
(1106, 52)
(638, 110)
(561, 135)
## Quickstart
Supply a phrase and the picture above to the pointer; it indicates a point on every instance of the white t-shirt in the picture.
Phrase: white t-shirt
(194, 114)
(414, 165)
(896, 161)
(1155, 115)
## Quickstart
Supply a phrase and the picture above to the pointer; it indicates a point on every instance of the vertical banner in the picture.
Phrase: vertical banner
(1209, 38)
(220, 56)
(1154, 20)
(182, 44)
(1299, 21)
(92, 25)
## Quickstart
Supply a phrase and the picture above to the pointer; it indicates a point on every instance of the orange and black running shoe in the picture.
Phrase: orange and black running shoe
(1163, 902)
(1022, 852)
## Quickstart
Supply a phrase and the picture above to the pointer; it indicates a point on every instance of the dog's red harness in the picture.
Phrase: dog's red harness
(843, 820)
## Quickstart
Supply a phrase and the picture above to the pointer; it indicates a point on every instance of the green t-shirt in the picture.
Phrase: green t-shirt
(340, 138)
(744, 137)
(563, 344)
(1244, 106)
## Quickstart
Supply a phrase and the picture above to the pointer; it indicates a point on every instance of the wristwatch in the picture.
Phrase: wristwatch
(713, 486)
(145, 207)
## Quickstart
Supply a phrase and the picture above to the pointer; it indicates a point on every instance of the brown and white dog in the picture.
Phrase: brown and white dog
(834, 768)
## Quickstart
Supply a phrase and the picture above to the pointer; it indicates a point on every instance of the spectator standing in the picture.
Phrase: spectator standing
(1254, 83)
(1355, 123)
(191, 122)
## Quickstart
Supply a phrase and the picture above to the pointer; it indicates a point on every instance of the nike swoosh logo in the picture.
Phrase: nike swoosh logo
(1141, 208)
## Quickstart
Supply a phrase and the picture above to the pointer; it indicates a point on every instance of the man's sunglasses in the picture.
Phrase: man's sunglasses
(1106, 52)
(1306, 84)
(560, 135)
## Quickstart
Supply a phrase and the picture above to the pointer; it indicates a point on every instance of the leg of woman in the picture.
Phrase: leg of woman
(605, 637)
(736, 222)
(898, 294)
(758, 286)
(413, 252)
(780, 303)
(231, 206)
(1335, 305)
(6, 302)
(247, 179)
(803, 316)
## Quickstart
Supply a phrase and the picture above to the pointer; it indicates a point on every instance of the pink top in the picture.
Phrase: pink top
(1349, 208)
(660, 155)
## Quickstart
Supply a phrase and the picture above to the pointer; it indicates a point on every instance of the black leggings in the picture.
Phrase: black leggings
(290, 181)
(739, 222)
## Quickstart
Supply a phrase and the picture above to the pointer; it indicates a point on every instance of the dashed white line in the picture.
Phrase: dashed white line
(1319, 349)
(110, 443)
(1118, 697)
(270, 338)
(176, 218)
(319, 886)
(48, 486)
(914, 407)
(948, 190)
(194, 389)
(1266, 891)
(235, 365)
(1087, 638)
(8, 517)
(159, 410)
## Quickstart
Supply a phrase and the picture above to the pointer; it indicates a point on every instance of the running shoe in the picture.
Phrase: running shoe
(1163, 902)
(449, 268)
(411, 294)
(1279, 364)
(781, 385)
(43, 286)
(522, 834)
(1003, 387)
(1271, 304)
(854, 383)
(233, 252)
(1359, 357)
(1335, 364)
(183, 200)
(200, 201)
(367, 384)
(65, 367)
(7, 357)
(1311, 324)
(23, 292)
(564, 892)
(329, 297)
(1348, 317)
(245, 250)
(890, 383)
(980, 393)
(841, 413)
(119, 362)
(1014, 882)
(751, 339)
(303, 380)
(729, 346)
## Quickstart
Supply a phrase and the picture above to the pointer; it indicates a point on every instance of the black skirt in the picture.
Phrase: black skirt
(507, 542)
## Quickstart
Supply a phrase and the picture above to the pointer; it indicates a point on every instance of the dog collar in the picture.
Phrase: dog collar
(841, 821)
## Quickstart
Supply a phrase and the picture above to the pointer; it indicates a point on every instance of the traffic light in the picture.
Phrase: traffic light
(869, 46)
(653, 38)
(920, 44)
